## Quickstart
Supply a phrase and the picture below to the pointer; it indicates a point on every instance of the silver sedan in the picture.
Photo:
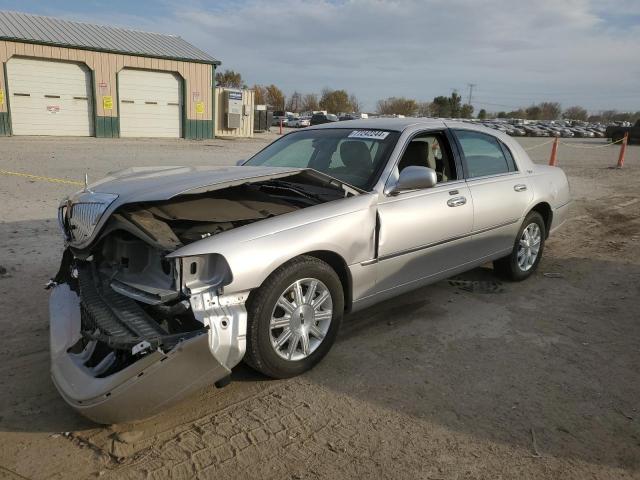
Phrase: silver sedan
(172, 276)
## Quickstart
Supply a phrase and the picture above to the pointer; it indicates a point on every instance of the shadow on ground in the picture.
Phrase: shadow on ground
(555, 354)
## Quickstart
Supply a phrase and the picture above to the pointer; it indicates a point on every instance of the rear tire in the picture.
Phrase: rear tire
(291, 300)
(527, 250)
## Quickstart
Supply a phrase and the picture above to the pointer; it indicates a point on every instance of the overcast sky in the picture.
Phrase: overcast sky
(577, 52)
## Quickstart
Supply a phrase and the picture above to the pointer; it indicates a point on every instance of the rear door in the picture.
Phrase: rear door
(501, 193)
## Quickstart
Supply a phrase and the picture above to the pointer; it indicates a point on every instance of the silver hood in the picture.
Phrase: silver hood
(85, 212)
(143, 184)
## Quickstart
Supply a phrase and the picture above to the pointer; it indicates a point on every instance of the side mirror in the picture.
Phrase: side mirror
(415, 178)
(240, 162)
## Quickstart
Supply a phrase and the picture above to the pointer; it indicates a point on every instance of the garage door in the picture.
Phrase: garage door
(150, 104)
(49, 98)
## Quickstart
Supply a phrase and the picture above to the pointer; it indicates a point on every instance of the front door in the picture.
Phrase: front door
(424, 233)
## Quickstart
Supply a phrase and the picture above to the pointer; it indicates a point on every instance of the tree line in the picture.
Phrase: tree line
(340, 101)
(334, 101)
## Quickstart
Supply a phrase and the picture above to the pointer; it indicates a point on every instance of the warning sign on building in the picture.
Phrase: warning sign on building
(1, 97)
(107, 102)
(199, 107)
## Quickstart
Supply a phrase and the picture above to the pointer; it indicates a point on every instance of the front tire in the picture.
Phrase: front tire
(527, 250)
(293, 318)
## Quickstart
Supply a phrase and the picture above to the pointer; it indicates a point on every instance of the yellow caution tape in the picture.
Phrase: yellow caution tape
(44, 179)
(540, 145)
(572, 145)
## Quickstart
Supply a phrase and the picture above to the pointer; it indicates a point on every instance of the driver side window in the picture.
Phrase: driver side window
(430, 150)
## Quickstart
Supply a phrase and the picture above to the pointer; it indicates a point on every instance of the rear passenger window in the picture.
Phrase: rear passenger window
(483, 154)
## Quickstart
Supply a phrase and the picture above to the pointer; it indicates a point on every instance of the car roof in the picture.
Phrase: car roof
(397, 124)
(402, 124)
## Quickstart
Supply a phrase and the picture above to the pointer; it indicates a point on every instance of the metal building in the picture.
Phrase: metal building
(61, 77)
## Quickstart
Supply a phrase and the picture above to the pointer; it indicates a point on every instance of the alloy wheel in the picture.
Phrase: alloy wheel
(529, 246)
(300, 319)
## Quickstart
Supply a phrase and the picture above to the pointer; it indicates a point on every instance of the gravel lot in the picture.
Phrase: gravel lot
(467, 379)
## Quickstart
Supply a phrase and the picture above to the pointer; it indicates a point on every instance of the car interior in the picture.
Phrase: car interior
(430, 151)
(354, 161)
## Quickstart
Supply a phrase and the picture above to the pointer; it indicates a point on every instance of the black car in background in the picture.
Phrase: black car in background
(320, 118)
(616, 132)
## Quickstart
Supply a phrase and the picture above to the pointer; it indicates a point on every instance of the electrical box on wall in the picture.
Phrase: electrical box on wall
(233, 108)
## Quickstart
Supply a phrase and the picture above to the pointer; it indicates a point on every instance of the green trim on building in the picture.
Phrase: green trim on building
(5, 117)
(107, 127)
(5, 126)
(198, 129)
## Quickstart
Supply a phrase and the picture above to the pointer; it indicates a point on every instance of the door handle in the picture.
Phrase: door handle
(521, 187)
(456, 202)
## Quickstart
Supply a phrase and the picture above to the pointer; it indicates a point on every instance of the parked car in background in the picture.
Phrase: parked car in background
(171, 276)
(320, 118)
(280, 115)
(299, 122)
(616, 133)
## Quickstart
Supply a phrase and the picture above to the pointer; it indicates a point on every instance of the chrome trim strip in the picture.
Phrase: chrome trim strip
(470, 180)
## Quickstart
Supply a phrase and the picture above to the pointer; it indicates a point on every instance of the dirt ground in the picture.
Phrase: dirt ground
(459, 380)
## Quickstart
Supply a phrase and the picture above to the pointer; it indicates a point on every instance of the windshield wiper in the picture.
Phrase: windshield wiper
(283, 185)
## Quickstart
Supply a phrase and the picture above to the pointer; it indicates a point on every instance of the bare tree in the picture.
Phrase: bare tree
(550, 110)
(310, 103)
(424, 109)
(576, 113)
(397, 106)
(294, 104)
(356, 107)
(229, 79)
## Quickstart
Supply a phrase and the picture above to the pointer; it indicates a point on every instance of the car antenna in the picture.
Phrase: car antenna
(86, 183)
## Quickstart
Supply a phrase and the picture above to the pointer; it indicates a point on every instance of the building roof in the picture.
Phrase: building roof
(29, 28)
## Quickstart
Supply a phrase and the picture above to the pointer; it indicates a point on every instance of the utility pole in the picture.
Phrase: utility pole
(471, 85)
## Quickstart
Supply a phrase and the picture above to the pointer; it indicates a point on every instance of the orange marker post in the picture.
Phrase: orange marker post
(280, 126)
(623, 150)
(553, 160)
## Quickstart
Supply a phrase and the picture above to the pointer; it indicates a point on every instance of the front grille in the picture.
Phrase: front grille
(82, 219)
(79, 216)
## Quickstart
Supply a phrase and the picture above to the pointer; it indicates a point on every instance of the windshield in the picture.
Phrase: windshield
(354, 156)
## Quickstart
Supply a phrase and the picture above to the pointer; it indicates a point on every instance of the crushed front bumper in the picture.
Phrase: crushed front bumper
(152, 383)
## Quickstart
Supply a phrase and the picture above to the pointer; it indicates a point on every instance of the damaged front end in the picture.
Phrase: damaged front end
(134, 330)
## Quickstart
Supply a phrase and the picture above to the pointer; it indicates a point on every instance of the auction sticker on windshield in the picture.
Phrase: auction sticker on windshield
(372, 134)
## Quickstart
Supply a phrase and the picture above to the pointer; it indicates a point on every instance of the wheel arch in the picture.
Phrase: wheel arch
(337, 263)
(544, 209)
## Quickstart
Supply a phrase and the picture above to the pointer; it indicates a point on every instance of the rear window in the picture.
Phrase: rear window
(483, 154)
